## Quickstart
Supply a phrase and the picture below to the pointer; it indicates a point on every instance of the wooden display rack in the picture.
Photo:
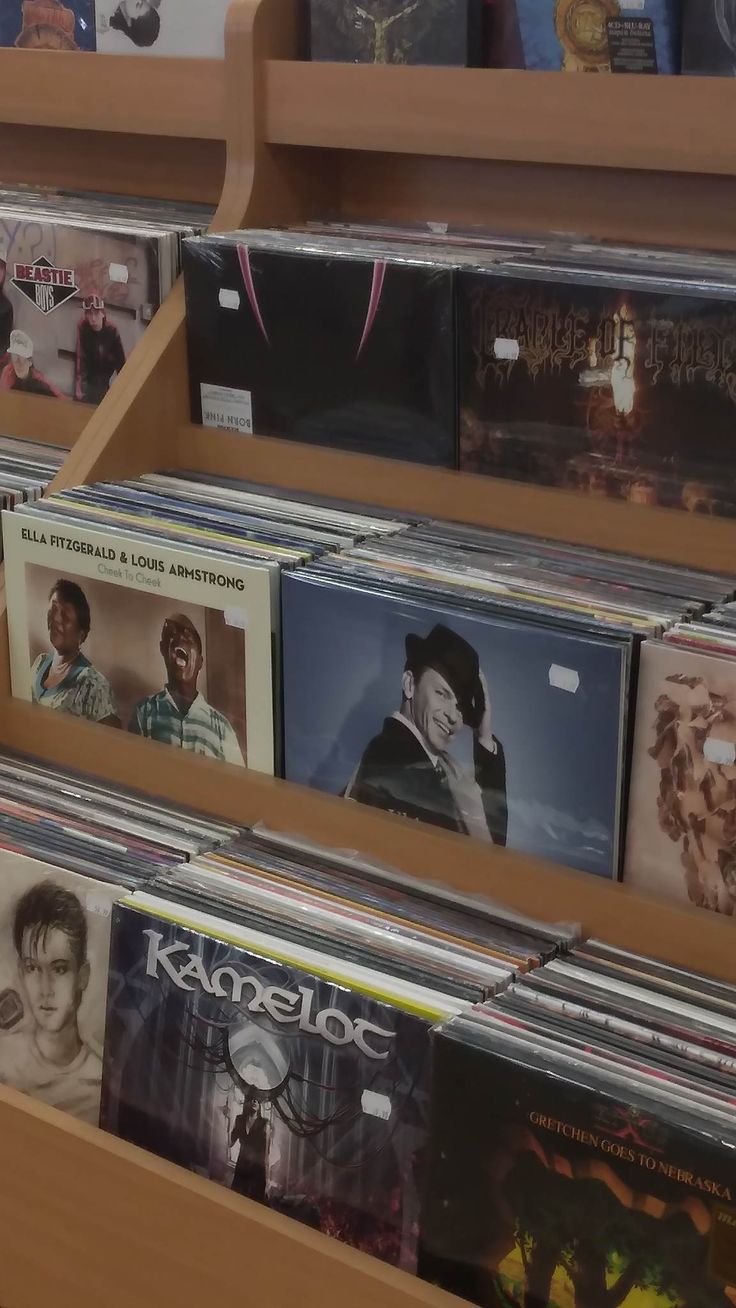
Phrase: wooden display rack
(273, 140)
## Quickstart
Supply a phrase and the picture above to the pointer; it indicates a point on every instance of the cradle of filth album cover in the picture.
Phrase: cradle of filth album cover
(142, 637)
(74, 301)
(293, 1089)
(550, 693)
(397, 31)
(349, 351)
(54, 949)
(628, 394)
(550, 1193)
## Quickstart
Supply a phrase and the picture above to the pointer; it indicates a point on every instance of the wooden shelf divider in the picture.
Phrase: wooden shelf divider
(276, 140)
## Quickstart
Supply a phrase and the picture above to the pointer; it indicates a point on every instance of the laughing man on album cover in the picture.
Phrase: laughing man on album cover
(409, 769)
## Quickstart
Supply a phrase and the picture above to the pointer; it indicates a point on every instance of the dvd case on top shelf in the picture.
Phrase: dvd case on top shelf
(324, 340)
(590, 36)
(615, 380)
(709, 37)
(48, 24)
(397, 31)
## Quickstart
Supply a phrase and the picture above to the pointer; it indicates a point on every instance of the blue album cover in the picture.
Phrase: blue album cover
(506, 730)
(292, 1089)
(48, 24)
(620, 36)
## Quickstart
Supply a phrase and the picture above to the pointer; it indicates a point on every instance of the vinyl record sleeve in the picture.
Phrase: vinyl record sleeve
(615, 385)
(397, 31)
(48, 24)
(50, 267)
(351, 351)
(293, 1088)
(543, 1188)
(180, 28)
(53, 992)
(132, 588)
(558, 705)
(682, 830)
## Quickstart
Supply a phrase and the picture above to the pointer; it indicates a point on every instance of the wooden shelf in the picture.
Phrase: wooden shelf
(278, 141)
(113, 93)
(632, 122)
(104, 1223)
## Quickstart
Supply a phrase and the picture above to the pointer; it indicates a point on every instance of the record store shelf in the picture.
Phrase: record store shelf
(275, 140)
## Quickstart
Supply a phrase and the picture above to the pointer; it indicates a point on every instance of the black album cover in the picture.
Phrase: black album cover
(547, 1191)
(397, 31)
(291, 1088)
(709, 37)
(351, 351)
(621, 393)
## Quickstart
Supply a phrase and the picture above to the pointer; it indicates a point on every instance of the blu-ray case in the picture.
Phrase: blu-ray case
(591, 36)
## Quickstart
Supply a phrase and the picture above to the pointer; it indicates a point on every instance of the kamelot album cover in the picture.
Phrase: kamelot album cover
(289, 1081)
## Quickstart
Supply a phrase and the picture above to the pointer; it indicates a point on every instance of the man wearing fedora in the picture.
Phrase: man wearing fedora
(408, 767)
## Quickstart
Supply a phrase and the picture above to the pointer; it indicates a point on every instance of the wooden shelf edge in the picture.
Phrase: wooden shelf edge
(664, 534)
(678, 933)
(36, 418)
(130, 1229)
(113, 93)
(662, 123)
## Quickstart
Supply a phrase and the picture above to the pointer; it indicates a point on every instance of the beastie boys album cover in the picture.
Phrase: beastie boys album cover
(323, 340)
(145, 638)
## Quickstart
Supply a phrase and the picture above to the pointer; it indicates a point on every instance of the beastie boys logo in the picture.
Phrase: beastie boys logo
(44, 285)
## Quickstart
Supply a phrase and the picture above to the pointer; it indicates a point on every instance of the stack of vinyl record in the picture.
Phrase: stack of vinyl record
(81, 276)
(69, 848)
(478, 681)
(268, 1026)
(155, 605)
(582, 1138)
(682, 829)
(26, 469)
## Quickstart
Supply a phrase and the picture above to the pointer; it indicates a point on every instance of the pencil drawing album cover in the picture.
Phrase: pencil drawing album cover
(54, 948)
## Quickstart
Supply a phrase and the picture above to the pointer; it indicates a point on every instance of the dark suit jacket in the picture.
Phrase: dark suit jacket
(396, 774)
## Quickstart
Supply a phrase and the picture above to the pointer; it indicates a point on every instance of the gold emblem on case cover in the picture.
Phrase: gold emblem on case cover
(582, 30)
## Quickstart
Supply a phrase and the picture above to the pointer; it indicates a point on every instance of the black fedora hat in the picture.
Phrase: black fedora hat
(456, 661)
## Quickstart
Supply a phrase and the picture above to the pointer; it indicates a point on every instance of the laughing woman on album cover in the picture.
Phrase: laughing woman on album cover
(65, 680)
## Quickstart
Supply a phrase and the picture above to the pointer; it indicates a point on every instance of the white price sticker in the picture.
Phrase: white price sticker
(97, 904)
(227, 409)
(236, 618)
(564, 679)
(229, 299)
(720, 751)
(376, 1105)
(631, 5)
(506, 348)
(118, 272)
